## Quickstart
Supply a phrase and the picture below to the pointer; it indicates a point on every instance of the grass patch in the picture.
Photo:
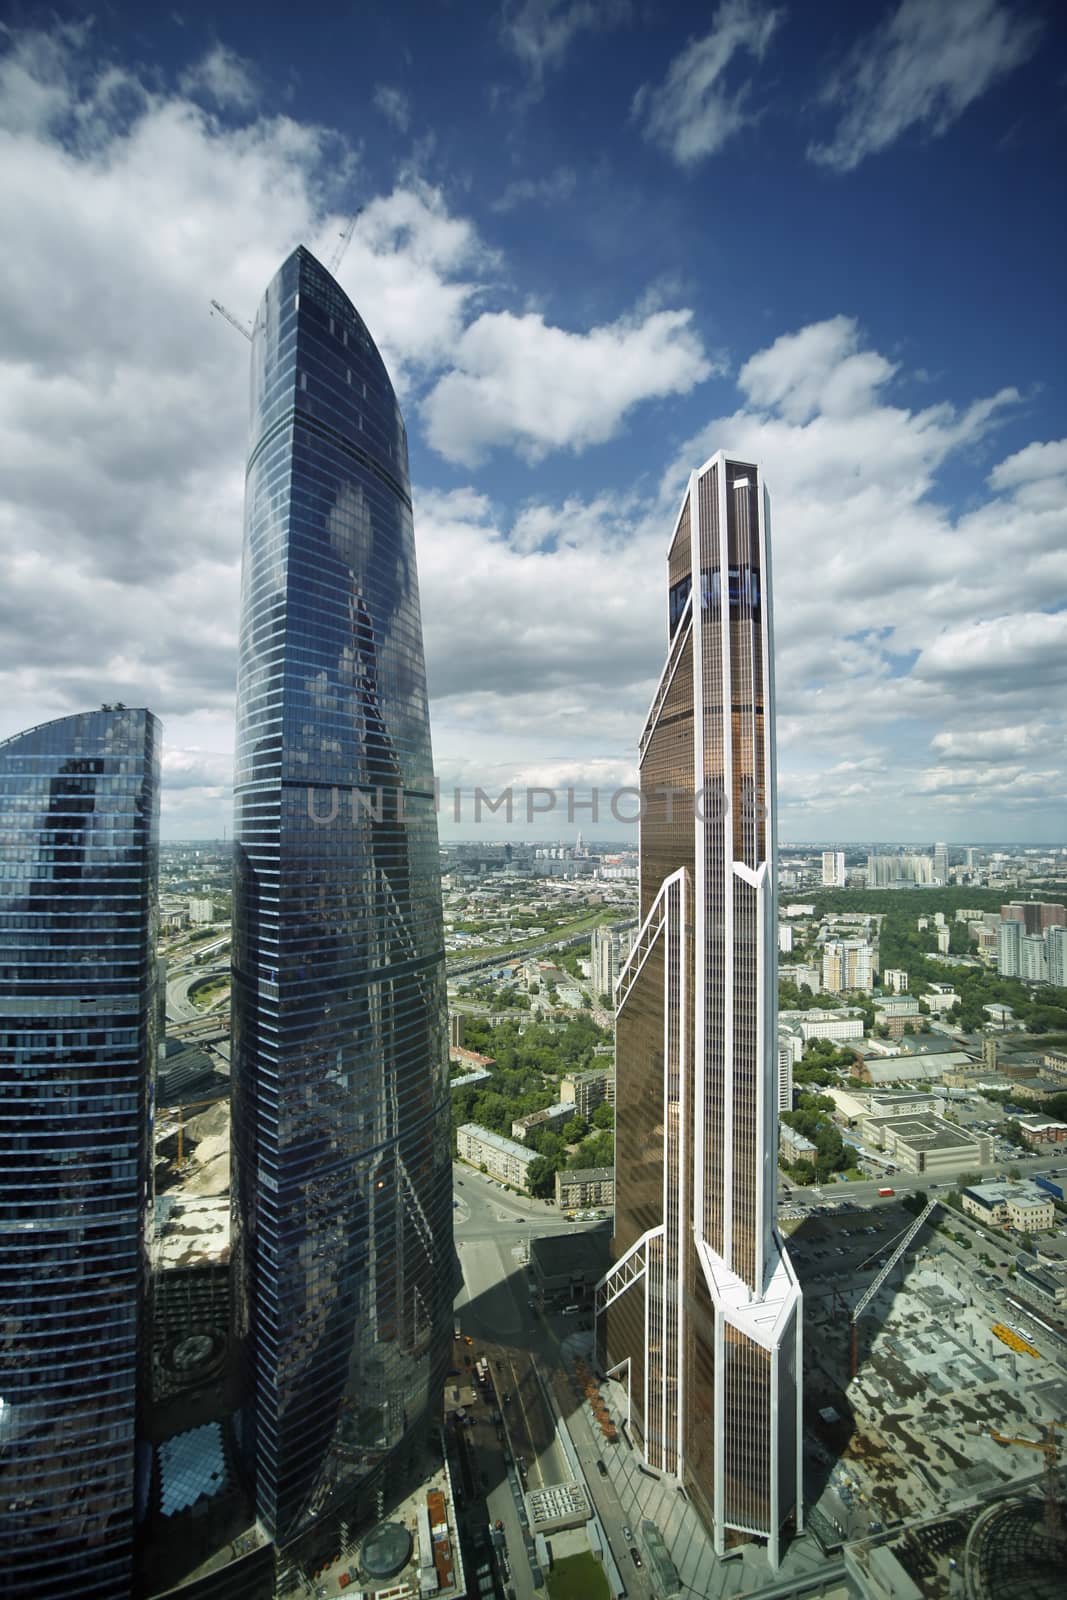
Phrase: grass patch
(208, 993)
(578, 1578)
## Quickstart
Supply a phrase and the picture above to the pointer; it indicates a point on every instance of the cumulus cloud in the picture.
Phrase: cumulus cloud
(695, 111)
(921, 68)
(521, 383)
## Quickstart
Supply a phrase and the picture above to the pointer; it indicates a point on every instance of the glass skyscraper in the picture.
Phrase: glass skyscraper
(79, 807)
(343, 1255)
(700, 1316)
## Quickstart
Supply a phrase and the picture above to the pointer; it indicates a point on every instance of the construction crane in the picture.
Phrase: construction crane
(345, 241)
(1048, 1444)
(235, 322)
(876, 1283)
(190, 1105)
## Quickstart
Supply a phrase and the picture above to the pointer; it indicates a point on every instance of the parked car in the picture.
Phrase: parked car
(635, 1556)
(601, 1468)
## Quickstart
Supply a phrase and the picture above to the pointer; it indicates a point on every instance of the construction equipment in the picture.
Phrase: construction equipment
(235, 322)
(1048, 1444)
(345, 240)
(872, 1289)
(190, 1105)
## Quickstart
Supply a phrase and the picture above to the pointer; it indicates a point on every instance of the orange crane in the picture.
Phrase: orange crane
(1049, 1446)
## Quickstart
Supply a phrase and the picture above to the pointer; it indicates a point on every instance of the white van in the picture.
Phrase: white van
(570, 1311)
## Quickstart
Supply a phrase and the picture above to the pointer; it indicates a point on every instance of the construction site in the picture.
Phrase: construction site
(934, 1407)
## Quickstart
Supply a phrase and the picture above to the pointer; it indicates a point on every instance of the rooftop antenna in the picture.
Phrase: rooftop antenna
(235, 322)
(345, 240)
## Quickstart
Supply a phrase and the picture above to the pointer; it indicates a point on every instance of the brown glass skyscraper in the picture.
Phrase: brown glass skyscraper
(701, 1314)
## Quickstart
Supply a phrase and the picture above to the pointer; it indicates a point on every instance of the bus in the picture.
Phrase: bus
(886, 1191)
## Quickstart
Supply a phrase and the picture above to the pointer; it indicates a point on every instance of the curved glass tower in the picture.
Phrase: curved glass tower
(342, 1172)
(79, 807)
(701, 1315)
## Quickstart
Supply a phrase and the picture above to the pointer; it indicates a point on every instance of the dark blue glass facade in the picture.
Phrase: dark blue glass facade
(79, 808)
(343, 1258)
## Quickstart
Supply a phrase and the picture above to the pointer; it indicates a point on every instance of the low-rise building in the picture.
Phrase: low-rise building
(838, 1026)
(502, 1158)
(552, 1117)
(795, 1146)
(1022, 1205)
(926, 1144)
(895, 978)
(566, 1267)
(469, 1060)
(587, 1186)
(1040, 1131)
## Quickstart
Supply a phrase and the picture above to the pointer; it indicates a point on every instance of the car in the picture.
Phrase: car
(627, 1533)
(601, 1468)
(635, 1556)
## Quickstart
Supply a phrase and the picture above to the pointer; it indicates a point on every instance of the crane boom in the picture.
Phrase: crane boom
(345, 241)
(873, 1288)
(235, 322)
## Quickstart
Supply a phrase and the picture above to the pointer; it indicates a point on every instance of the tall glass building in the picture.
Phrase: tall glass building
(700, 1316)
(342, 1173)
(79, 811)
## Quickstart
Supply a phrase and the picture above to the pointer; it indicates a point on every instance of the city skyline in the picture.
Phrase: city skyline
(700, 1315)
(343, 1262)
(156, 164)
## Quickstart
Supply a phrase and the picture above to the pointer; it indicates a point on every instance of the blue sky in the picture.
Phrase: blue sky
(599, 239)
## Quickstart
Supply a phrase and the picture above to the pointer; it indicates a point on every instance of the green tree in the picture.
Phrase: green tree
(574, 1131)
(541, 1177)
(604, 1116)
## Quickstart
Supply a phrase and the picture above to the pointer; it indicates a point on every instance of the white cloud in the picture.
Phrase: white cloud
(394, 105)
(548, 191)
(694, 112)
(540, 32)
(223, 78)
(521, 383)
(921, 68)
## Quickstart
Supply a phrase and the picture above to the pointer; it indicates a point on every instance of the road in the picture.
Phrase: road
(180, 1008)
(493, 1229)
(866, 1193)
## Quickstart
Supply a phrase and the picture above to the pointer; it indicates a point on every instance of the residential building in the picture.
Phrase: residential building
(700, 1317)
(584, 1091)
(457, 1028)
(201, 910)
(833, 869)
(1022, 1206)
(1056, 956)
(790, 1048)
(803, 973)
(1009, 948)
(343, 1261)
(785, 938)
(926, 1144)
(847, 964)
(79, 816)
(469, 1060)
(1033, 961)
(552, 1117)
(794, 1146)
(944, 940)
(941, 863)
(502, 1158)
(1056, 1061)
(608, 947)
(899, 872)
(895, 978)
(585, 1186)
